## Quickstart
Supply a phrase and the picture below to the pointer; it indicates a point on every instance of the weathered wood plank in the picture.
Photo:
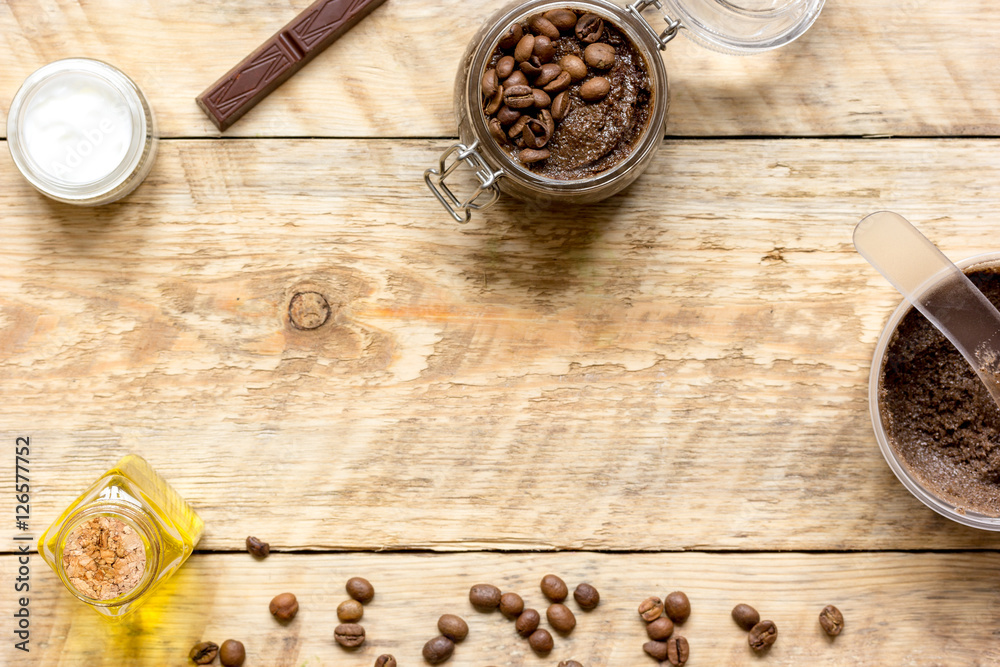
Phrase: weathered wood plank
(682, 366)
(899, 609)
(903, 68)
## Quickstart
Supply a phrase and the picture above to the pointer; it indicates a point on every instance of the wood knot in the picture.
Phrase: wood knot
(308, 310)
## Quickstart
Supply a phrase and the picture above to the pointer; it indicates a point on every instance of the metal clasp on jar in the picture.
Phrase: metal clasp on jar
(461, 210)
(662, 38)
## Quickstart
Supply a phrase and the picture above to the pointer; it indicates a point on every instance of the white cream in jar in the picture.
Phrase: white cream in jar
(80, 131)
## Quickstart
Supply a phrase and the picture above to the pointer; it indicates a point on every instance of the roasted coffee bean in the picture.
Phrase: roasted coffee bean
(496, 131)
(558, 84)
(560, 618)
(258, 548)
(490, 83)
(569, 663)
(203, 653)
(453, 627)
(385, 660)
(511, 605)
(677, 606)
(507, 116)
(486, 596)
(651, 608)
(360, 589)
(232, 653)
(550, 125)
(585, 595)
(438, 650)
(529, 619)
(595, 89)
(516, 78)
(563, 19)
(548, 73)
(493, 104)
(351, 611)
(284, 607)
(589, 28)
(660, 629)
(832, 620)
(544, 48)
(517, 128)
(554, 588)
(518, 97)
(543, 26)
(505, 66)
(560, 107)
(540, 641)
(511, 37)
(542, 99)
(524, 48)
(349, 635)
(599, 55)
(531, 67)
(656, 650)
(762, 636)
(678, 651)
(745, 616)
(575, 66)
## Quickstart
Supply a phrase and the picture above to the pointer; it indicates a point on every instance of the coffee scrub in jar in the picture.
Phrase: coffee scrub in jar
(566, 102)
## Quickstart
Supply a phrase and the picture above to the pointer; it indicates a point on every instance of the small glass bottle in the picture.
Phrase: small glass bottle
(122, 538)
(81, 132)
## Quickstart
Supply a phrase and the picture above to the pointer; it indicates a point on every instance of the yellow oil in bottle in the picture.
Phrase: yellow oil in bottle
(121, 539)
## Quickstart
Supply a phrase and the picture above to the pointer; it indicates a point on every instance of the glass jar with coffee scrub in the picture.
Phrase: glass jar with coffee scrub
(81, 132)
(565, 101)
(127, 534)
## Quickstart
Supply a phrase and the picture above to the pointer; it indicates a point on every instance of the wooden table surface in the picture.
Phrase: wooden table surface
(666, 390)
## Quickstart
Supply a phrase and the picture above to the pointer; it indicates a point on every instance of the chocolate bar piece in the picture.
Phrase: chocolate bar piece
(288, 51)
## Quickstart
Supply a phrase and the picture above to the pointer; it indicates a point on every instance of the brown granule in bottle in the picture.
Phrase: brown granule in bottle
(104, 558)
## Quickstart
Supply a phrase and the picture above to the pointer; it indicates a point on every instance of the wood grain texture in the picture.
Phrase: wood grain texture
(899, 609)
(902, 68)
(683, 366)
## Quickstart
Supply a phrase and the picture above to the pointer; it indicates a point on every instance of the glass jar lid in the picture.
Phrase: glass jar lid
(744, 27)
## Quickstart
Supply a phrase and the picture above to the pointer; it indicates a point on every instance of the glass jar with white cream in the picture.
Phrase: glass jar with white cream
(81, 132)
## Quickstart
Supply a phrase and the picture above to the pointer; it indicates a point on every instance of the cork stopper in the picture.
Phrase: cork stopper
(104, 558)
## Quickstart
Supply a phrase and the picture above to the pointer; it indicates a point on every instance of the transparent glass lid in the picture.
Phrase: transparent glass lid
(744, 26)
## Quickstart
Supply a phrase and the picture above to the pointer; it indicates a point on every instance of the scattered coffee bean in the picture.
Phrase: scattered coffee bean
(438, 650)
(385, 660)
(540, 641)
(518, 127)
(678, 651)
(527, 622)
(484, 596)
(575, 66)
(532, 67)
(493, 104)
(543, 26)
(232, 653)
(585, 595)
(559, 84)
(360, 589)
(542, 99)
(516, 79)
(350, 611)
(524, 48)
(453, 627)
(258, 548)
(554, 588)
(538, 132)
(284, 607)
(507, 116)
(519, 97)
(595, 89)
(560, 618)
(762, 636)
(349, 635)
(651, 608)
(832, 620)
(496, 131)
(491, 81)
(599, 55)
(505, 67)
(589, 28)
(660, 629)
(560, 106)
(656, 650)
(204, 653)
(544, 50)
(549, 72)
(563, 19)
(677, 607)
(745, 616)
(511, 38)
(569, 663)
(511, 605)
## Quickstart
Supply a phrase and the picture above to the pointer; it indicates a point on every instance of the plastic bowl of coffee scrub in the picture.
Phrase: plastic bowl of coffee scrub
(933, 418)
